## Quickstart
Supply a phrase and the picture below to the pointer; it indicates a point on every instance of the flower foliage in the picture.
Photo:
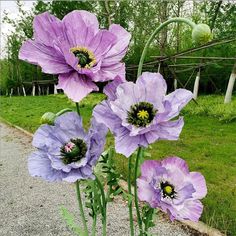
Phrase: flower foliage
(65, 151)
(77, 50)
(170, 186)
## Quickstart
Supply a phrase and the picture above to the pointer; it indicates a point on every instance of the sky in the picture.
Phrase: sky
(11, 8)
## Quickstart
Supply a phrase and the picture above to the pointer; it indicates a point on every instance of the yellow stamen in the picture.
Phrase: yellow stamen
(90, 54)
(168, 189)
(142, 114)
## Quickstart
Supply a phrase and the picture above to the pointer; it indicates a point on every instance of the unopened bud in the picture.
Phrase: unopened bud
(48, 118)
(201, 34)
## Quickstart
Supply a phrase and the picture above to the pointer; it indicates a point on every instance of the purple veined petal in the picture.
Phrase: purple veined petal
(110, 72)
(75, 175)
(191, 210)
(80, 27)
(177, 99)
(50, 59)
(101, 43)
(47, 28)
(110, 88)
(184, 193)
(71, 123)
(199, 183)
(149, 169)
(50, 139)
(175, 162)
(147, 193)
(103, 114)
(165, 131)
(153, 87)
(125, 144)
(75, 86)
(118, 50)
(40, 166)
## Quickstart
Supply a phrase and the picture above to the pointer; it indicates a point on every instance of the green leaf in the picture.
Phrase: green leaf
(70, 221)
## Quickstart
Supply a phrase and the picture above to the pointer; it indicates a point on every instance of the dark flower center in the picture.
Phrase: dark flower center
(168, 190)
(141, 114)
(73, 151)
(85, 56)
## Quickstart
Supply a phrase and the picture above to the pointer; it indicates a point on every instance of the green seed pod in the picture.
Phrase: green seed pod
(48, 118)
(201, 34)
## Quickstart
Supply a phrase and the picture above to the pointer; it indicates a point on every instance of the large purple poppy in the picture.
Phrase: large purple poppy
(65, 151)
(77, 50)
(140, 113)
(170, 186)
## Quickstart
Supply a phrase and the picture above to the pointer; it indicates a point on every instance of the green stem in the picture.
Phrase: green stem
(77, 108)
(157, 30)
(63, 111)
(131, 221)
(94, 225)
(139, 155)
(81, 208)
(104, 209)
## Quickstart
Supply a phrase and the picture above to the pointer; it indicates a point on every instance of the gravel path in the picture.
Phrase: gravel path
(30, 207)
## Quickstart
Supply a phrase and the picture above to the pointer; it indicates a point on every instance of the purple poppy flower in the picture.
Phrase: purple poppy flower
(65, 151)
(170, 186)
(77, 50)
(140, 113)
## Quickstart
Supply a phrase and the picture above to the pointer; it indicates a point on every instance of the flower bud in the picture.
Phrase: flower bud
(48, 118)
(201, 34)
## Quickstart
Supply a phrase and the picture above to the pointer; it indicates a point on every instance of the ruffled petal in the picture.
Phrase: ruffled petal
(76, 86)
(51, 60)
(191, 210)
(80, 27)
(110, 88)
(119, 49)
(101, 43)
(71, 123)
(150, 169)
(107, 73)
(47, 28)
(103, 114)
(166, 131)
(40, 166)
(126, 144)
(147, 193)
(177, 100)
(153, 87)
(176, 163)
(199, 183)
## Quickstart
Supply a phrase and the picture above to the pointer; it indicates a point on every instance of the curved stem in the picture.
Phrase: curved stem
(94, 226)
(130, 198)
(104, 210)
(157, 30)
(139, 155)
(81, 208)
(63, 111)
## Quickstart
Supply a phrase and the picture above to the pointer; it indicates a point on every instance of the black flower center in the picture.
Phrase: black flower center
(73, 151)
(85, 56)
(141, 114)
(168, 190)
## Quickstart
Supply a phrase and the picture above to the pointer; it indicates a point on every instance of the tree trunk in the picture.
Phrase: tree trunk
(33, 90)
(55, 89)
(196, 85)
(23, 89)
(228, 95)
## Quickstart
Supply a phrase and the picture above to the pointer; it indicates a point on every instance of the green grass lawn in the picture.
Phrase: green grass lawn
(208, 143)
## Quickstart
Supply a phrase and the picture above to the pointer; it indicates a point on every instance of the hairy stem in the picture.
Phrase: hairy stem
(81, 208)
(130, 198)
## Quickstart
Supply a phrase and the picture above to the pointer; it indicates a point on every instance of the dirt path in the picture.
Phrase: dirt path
(30, 206)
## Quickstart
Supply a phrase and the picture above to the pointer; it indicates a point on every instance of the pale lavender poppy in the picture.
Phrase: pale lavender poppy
(170, 186)
(77, 50)
(65, 151)
(140, 113)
